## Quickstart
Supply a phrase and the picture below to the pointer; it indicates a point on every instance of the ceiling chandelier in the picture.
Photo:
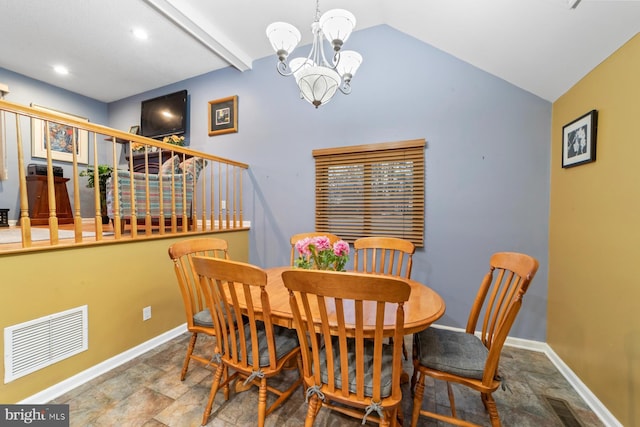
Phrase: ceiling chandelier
(317, 78)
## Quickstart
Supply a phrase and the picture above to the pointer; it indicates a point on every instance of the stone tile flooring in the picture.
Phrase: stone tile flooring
(147, 391)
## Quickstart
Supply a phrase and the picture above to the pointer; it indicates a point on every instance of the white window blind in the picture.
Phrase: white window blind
(371, 190)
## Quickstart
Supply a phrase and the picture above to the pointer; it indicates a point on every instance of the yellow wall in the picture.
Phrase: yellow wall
(594, 238)
(115, 280)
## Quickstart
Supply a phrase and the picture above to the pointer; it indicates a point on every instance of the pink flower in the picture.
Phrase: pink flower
(341, 248)
(303, 246)
(322, 243)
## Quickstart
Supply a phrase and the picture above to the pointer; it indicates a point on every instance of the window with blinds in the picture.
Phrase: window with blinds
(371, 190)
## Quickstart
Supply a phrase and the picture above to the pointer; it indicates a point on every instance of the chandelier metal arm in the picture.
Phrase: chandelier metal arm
(345, 88)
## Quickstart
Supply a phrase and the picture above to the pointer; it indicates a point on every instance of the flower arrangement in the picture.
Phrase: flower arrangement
(318, 253)
(174, 140)
(171, 139)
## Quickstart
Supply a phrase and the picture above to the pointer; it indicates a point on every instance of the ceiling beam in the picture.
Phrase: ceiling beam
(211, 39)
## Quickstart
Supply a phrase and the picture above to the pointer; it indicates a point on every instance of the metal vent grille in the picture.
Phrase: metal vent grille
(563, 411)
(38, 343)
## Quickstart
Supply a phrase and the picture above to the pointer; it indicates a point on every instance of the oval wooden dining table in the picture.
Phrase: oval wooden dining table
(423, 308)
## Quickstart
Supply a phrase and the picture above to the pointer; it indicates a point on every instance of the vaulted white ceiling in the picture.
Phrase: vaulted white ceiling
(542, 46)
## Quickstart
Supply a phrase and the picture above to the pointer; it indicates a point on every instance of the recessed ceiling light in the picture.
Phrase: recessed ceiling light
(140, 33)
(61, 69)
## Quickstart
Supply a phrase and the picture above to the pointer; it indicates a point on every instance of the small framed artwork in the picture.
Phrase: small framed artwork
(579, 140)
(134, 130)
(60, 137)
(223, 116)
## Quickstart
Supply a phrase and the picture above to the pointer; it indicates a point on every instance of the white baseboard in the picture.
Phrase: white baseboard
(594, 403)
(69, 384)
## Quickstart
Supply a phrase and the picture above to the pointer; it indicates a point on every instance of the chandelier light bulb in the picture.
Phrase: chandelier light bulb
(337, 25)
(284, 38)
(348, 64)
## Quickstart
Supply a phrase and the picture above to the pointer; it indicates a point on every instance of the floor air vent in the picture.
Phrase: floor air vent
(563, 411)
(38, 343)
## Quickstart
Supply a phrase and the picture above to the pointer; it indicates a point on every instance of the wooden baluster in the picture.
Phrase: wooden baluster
(233, 196)
(185, 216)
(241, 219)
(226, 197)
(161, 191)
(212, 199)
(97, 218)
(204, 199)
(174, 215)
(148, 221)
(77, 217)
(115, 185)
(51, 191)
(219, 196)
(25, 221)
(134, 214)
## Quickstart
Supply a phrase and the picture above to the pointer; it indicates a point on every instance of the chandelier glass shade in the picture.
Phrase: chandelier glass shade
(318, 78)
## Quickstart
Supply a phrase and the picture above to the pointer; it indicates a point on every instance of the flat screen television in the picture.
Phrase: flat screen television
(164, 115)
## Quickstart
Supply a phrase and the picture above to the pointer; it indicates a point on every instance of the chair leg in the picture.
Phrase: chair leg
(226, 387)
(214, 389)
(394, 417)
(398, 416)
(417, 399)
(262, 402)
(490, 404)
(185, 366)
(414, 356)
(312, 411)
(384, 421)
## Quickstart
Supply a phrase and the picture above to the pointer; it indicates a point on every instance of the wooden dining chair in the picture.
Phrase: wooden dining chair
(198, 316)
(346, 367)
(254, 348)
(296, 237)
(464, 358)
(383, 255)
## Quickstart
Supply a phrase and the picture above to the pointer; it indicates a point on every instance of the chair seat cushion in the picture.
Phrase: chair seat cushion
(449, 351)
(387, 367)
(285, 341)
(203, 318)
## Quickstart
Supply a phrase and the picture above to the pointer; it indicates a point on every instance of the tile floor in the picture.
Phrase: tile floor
(147, 391)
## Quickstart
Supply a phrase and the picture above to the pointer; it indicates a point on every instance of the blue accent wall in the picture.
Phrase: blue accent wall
(487, 157)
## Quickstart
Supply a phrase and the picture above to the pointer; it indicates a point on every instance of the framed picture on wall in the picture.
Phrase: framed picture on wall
(223, 115)
(579, 140)
(61, 138)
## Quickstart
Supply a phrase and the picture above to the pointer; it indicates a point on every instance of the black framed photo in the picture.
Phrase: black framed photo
(579, 140)
(223, 115)
(135, 130)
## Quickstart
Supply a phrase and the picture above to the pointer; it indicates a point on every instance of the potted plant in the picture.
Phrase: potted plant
(104, 172)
